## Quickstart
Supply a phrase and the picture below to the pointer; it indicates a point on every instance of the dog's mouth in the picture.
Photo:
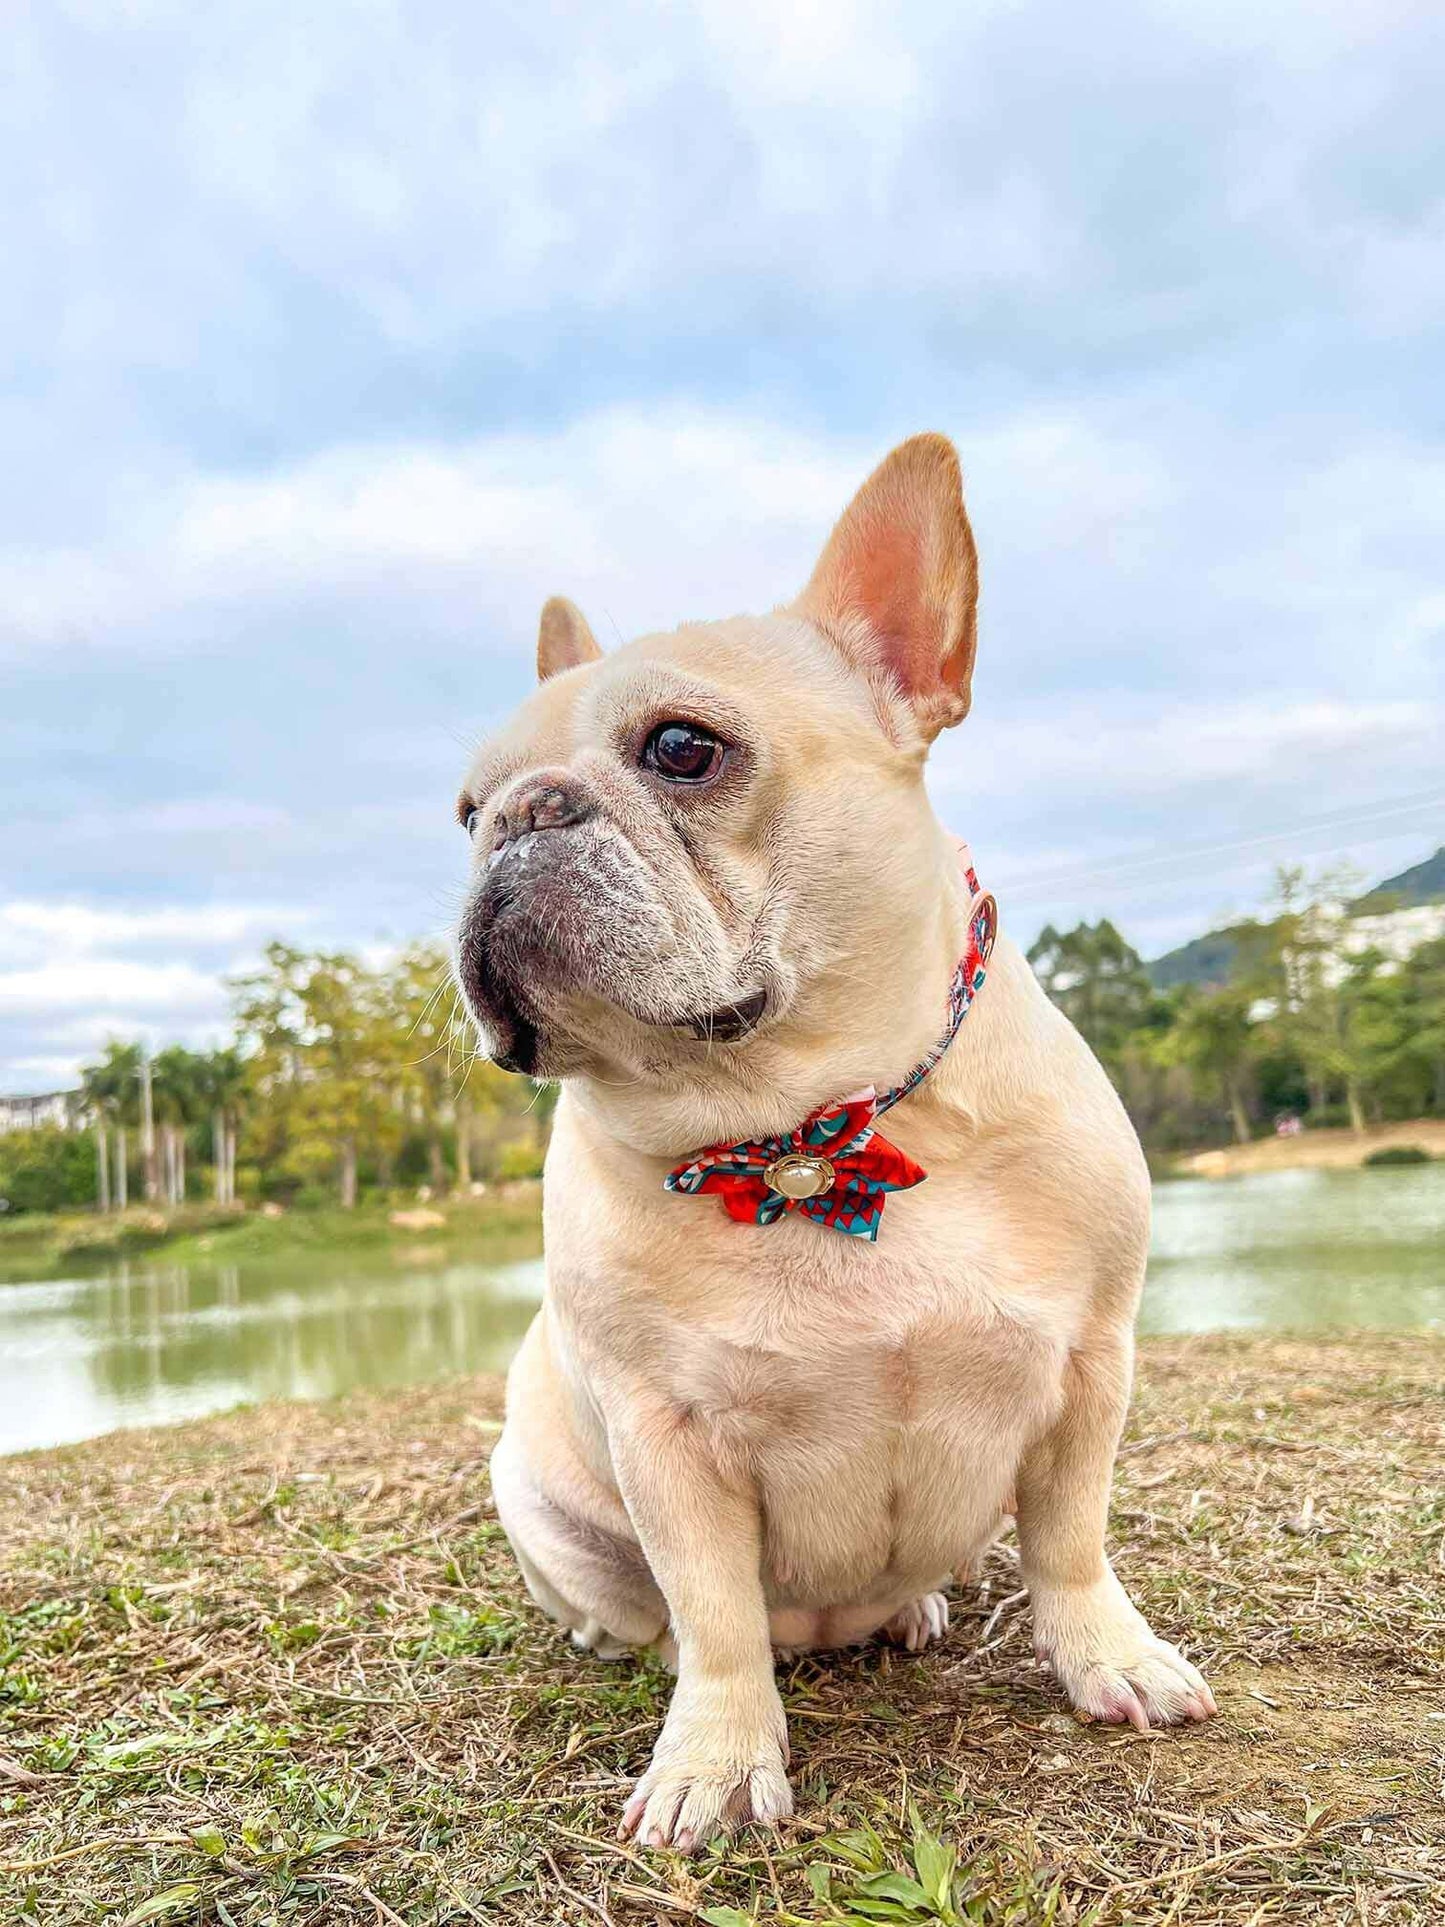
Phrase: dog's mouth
(731, 1022)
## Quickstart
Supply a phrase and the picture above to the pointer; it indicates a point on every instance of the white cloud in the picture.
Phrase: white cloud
(88, 927)
(664, 500)
(1092, 750)
(116, 986)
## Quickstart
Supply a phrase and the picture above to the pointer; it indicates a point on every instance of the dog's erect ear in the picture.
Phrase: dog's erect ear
(563, 639)
(896, 588)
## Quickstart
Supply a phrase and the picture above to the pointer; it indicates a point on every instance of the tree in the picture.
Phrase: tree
(1422, 992)
(220, 1079)
(321, 1058)
(420, 1005)
(1212, 1035)
(1098, 981)
(179, 1098)
(112, 1089)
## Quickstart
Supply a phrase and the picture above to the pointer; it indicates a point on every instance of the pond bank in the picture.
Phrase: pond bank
(1313, 1150)
(43, 1246)
(279, 1663)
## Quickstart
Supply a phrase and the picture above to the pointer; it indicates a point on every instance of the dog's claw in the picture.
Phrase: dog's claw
(1113, 1668)
(681, 1807)
(919, 1624)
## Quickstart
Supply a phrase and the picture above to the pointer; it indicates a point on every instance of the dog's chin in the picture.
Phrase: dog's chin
(522, 1034)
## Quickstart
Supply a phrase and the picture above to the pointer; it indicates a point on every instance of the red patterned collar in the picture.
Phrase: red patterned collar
(835, 1167)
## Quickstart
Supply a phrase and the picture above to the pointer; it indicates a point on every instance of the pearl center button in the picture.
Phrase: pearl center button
(799, 1176)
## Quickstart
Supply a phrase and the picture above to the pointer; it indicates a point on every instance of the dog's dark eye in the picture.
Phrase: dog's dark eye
(470, 821)
(682, 752)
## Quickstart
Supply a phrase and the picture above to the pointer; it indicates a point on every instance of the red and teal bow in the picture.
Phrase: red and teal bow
(836, 1168)
(836, 1148)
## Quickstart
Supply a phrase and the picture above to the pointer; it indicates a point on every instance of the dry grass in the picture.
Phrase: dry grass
(276, 1668)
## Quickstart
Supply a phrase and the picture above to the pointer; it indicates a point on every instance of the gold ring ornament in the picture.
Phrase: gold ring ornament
(799, 1176)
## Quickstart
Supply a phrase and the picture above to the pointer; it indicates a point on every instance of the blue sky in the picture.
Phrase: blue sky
(335, 338)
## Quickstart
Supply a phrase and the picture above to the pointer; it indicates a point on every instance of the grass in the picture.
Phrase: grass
(277, 1667)
(40, 1246)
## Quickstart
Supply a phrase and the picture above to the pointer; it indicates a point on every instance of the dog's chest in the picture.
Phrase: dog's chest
(882, 1427)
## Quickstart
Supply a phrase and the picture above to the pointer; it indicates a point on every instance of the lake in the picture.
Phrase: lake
(146, 1342)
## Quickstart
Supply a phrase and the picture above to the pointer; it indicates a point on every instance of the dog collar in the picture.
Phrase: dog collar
(835, 1168)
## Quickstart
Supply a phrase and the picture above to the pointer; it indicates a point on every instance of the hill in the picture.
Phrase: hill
(1422, 883)
(1207, 960)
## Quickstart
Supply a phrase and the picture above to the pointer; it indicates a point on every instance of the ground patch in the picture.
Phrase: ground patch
(277, 1668)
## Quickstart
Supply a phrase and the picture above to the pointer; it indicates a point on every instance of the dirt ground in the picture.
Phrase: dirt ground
(277, 1668)
(1316, 1150)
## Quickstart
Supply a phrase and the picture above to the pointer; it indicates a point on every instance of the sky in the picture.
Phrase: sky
(334, 339)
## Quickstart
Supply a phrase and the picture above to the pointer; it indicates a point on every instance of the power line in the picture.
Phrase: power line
(1140, 866)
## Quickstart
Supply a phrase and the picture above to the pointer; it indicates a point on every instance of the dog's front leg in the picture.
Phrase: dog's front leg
(1086, 1627)
(721, 1758)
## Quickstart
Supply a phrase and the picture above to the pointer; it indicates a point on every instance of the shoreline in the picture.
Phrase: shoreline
(1326, 1150)
(41, 1247)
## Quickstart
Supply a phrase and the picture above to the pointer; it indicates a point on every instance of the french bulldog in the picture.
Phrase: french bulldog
(710, 896)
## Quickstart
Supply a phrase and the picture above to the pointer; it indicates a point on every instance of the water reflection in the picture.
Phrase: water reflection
(150, 1342)
(145, 1343)
(1299, 1250)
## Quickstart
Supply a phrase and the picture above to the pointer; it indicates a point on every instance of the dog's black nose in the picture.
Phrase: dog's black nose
(547, 801)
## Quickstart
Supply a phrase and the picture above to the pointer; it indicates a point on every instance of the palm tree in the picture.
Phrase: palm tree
(216, 1081)
(178, 1076)
(112, 1089)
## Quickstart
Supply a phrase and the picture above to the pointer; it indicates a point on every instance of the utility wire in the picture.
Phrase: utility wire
(1140, 866)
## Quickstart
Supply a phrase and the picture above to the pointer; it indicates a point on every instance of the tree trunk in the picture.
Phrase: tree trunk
(121, 1174)
(348, 1173)
(180, 1166)
(1238, 1115)
(464, 1149)
(102, 1165)
(1357, 1112)
(150, 1176)
(230, 1127)
(436, 1164)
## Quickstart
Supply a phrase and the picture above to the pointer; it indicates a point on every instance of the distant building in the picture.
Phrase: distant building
(1394, 933)
(63, 1108)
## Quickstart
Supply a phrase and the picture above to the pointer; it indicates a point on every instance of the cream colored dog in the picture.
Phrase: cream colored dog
(709, 896)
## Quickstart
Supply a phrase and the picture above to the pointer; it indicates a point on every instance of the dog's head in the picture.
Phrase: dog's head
(719, 836)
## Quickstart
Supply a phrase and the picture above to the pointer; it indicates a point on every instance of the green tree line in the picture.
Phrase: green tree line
(1307, 1024)
(340, 1078)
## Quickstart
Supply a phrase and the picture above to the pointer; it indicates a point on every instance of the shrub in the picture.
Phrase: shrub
(521, 1158)
(47, 1169)
(1398, 1154)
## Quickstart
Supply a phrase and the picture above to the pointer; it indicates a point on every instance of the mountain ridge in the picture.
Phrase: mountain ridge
(1205, 961)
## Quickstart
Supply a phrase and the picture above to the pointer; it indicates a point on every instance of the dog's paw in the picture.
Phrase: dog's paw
(1111, 1666)
(922, 1622)
(682, 1803)
(721, 1762)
